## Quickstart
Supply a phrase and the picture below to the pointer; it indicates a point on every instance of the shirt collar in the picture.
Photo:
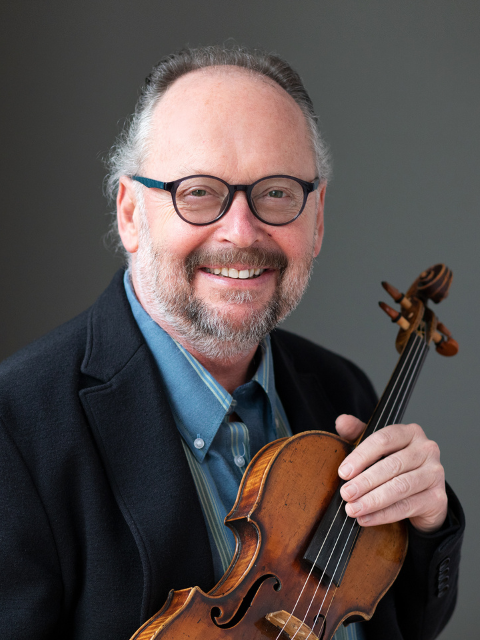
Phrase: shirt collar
(198, 402)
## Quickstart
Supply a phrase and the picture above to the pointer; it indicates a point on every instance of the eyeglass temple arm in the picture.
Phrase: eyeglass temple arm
(151, 184)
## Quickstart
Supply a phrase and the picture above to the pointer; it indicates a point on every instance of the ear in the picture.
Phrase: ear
(319, 221)
(127, 218)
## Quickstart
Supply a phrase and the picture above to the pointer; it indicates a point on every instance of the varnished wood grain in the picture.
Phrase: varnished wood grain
(283, 495)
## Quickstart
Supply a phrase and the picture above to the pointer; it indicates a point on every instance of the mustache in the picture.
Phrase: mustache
(255, 258)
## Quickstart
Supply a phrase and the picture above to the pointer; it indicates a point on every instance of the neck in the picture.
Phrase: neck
(230, 372)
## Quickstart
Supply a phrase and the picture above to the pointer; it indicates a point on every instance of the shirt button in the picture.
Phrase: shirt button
(199, 443)
(239, 461)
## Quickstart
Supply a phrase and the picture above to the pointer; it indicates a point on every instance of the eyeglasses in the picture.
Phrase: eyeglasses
(201, 200)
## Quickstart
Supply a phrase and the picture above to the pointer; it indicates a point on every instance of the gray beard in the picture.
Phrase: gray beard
(165, 284)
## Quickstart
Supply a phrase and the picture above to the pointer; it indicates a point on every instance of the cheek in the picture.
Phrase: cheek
(161, 217)
(170, 233)
(296, 243)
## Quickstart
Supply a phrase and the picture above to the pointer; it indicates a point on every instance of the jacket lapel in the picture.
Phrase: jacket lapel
(140, 445)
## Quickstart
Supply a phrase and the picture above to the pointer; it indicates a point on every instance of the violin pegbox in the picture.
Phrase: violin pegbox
(415, 316)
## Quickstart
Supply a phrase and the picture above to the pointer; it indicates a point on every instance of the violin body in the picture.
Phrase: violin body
(284, 493)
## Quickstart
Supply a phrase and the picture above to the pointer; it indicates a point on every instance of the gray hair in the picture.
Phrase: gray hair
(131, 147)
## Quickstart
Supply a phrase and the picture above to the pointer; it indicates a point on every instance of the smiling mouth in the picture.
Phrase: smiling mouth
(226, 272)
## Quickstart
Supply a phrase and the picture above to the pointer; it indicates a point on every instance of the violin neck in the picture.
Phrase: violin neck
(391, 406)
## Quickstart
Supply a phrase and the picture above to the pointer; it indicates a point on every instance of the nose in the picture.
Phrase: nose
(239, 226)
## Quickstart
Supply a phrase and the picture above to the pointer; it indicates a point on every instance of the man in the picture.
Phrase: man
(125, 433)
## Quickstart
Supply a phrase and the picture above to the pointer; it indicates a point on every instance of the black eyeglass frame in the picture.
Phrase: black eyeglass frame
(172, 187)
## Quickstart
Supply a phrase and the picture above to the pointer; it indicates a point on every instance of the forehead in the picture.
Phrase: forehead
(228, 121)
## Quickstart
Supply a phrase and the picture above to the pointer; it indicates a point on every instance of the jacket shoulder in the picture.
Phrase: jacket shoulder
(36, 378)
(62, 343)
(308, 355)
(347, 387)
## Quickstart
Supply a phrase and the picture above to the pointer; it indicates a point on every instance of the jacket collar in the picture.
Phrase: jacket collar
(113, 336)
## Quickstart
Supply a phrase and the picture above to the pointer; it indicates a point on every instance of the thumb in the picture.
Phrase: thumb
(349, 427)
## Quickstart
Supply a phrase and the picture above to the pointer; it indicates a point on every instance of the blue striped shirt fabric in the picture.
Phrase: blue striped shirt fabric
(218, 449)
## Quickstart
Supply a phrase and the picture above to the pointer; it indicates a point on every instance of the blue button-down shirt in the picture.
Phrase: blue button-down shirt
(218, 449)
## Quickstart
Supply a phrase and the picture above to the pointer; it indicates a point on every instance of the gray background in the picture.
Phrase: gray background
(396, 85)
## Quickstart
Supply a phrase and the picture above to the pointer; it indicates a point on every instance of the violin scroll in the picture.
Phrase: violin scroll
(432, 284)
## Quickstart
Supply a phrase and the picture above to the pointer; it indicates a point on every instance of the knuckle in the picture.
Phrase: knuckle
(373, 501)
(432, 449)
(402, 508)
(360, 457)
(393, 464)
(440, 496)
(365, 483)
(438, 475)
(401, 485)
(383, 437)
(415, 430)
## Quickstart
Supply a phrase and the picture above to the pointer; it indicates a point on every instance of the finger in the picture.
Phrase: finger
(349, 427)
(378, 445)
(399, 488)
(396, 464)
(430, 520)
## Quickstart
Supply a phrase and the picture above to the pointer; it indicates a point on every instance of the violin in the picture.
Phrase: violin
(301, 566)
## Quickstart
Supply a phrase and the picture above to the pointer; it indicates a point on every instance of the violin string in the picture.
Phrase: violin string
(309, 574)
(397, 381)
(345, 521)
(415, 343)
(412, 381)
(416, 361)
(408, 357)
(330, 584)
(326, 565)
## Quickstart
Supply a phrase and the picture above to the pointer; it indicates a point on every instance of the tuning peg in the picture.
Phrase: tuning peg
(397, 295)
(396, 316)
(446, 345)
(443, 329)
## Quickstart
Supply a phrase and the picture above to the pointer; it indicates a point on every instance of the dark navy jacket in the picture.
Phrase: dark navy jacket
(99, 516)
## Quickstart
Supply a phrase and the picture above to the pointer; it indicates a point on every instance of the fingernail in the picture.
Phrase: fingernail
(363, 520)
(345, 470)
(349, 491)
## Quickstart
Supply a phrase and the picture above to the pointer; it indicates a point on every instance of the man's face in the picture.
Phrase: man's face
(228, 124)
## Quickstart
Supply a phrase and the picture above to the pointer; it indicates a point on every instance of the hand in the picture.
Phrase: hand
(394, 474)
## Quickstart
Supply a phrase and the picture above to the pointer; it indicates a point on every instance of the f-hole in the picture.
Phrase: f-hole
(318, 626)
(245, 604)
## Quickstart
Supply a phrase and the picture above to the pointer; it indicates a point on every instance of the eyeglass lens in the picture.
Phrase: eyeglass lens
(275, 200)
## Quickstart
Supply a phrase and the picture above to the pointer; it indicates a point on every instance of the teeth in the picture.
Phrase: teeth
(234, 273)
